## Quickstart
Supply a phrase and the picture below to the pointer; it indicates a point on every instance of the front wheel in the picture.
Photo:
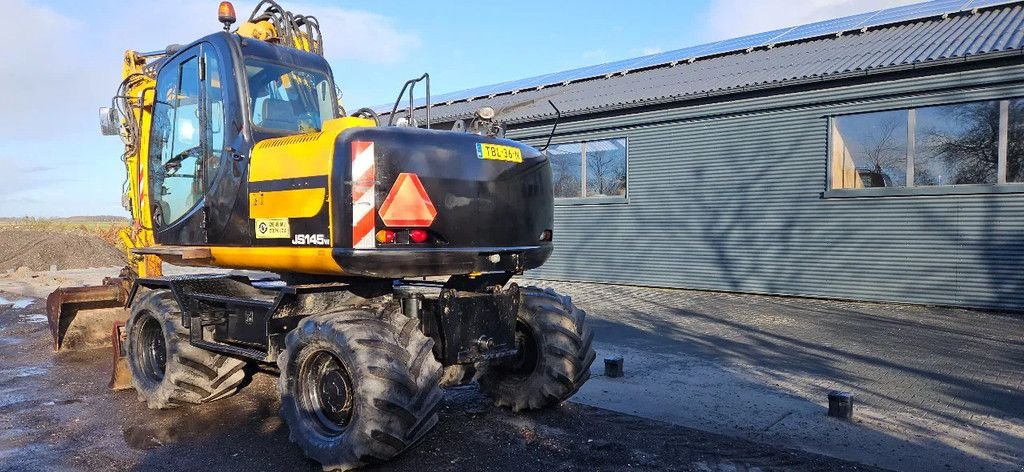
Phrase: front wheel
(166, 369)
(358, 387)
(554, 358)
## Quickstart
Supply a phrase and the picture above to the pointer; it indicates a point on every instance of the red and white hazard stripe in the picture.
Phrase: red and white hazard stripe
(363, 198)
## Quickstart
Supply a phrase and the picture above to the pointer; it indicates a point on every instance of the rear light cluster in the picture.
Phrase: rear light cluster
(403, 236)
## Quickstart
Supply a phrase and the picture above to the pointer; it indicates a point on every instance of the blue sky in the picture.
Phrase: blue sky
(67, 63)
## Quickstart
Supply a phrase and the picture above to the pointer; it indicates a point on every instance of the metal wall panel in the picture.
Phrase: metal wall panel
(729, 197)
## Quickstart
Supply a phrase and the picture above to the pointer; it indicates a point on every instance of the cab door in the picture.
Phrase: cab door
(196, 163)
(177, 148)
(225, 148)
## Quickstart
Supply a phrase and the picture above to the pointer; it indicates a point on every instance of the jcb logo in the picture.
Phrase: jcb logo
(310, 240)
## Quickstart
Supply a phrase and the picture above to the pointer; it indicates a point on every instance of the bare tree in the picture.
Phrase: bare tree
(606, 172)
(969, 150)
(883, 147)
(1015, 143)
(566, 175)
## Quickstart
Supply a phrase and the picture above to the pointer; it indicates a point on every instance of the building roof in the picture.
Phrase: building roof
(926, 34)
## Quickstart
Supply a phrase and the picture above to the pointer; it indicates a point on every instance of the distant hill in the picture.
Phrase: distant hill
(101, 219)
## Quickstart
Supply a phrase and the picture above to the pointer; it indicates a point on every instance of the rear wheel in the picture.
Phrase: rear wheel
(166, 369)
(358, 387)
(554, 356)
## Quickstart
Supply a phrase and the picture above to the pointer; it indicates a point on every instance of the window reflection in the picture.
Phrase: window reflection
(601, 162)
(1015, 142)
(957, 144)
(606, 168)
(870, 150)
(566, 169)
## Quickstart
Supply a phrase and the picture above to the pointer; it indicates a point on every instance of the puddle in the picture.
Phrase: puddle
(146, 437)
(61, 402)
(9, 341)
(19, 304)
(7, 375)
(10, 397)
(33, 318)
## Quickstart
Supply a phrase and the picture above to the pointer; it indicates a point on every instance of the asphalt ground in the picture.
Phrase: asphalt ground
(934, 388)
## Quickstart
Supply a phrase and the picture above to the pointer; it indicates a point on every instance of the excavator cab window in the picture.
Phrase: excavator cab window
(176, 152)
(188, 134)
(288, 99)
(214, 105)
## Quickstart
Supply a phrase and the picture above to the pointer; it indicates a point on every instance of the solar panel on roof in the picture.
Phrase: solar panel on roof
(983, 3)
(913, 11)
(821, 28)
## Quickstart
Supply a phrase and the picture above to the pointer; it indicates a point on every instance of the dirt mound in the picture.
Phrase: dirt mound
(39, 249)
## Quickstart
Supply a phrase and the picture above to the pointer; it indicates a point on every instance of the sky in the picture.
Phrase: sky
(64, 62)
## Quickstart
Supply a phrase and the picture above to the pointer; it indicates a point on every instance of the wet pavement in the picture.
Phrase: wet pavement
(56, 413)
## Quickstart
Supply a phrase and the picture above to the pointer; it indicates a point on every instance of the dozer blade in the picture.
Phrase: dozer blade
(82, 317)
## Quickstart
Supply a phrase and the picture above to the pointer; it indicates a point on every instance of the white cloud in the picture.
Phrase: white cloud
(732, 18)
(62, 65)
(649, 51)
(63, 68)
(361, 36)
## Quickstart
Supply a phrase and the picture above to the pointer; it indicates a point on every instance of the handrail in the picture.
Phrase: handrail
(411, 85)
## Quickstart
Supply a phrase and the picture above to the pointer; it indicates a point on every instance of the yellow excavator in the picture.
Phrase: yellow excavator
(393, 248)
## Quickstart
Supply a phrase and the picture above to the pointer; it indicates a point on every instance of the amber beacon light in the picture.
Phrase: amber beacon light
(226, 14)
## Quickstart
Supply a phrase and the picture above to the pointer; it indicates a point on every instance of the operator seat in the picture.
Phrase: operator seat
(279, 114)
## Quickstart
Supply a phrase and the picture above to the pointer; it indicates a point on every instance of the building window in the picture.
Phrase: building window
(590, 169)
(945, 145)
(1015, 141)
(870, 150)
(957, 144)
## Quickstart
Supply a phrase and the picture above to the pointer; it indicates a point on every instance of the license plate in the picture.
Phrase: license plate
(497, 152)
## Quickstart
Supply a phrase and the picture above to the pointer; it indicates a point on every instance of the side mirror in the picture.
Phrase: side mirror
(109, 123)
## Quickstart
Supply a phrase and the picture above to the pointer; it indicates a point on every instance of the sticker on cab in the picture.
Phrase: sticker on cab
(497, 152)
(273, 228)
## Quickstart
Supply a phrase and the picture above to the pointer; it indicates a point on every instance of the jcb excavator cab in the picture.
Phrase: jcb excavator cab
(214, 100)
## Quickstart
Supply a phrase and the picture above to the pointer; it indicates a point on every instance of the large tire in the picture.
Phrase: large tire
(554, 357)
(166, 369)
(358, 386)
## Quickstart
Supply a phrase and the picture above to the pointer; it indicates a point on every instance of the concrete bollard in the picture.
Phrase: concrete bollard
(840, 405)
(613, 366)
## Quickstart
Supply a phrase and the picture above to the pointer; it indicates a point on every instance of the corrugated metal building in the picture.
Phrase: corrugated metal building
(874, 157)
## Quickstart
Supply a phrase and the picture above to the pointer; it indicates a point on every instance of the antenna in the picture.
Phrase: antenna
(558, 116)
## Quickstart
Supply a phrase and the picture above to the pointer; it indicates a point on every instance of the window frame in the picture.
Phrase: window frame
(600, 199)
(1000, 187)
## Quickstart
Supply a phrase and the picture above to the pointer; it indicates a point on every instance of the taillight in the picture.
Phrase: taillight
(402, 236)
(385, 236)
(418, 235)
(545, 235)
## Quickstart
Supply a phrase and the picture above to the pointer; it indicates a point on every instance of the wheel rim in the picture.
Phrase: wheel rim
(152, 349)
(525, 360)
(325, 393)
